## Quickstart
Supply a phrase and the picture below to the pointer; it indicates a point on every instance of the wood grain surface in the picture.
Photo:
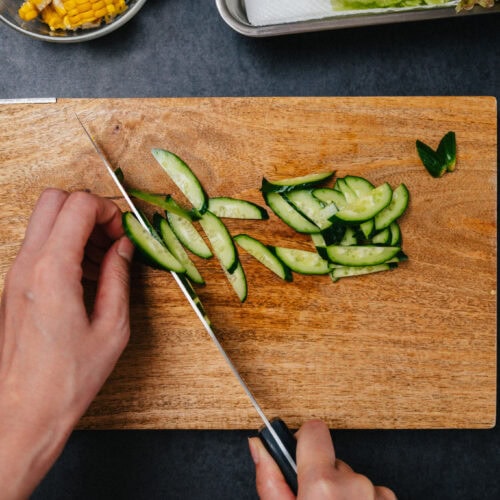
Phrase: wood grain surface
(411, 348)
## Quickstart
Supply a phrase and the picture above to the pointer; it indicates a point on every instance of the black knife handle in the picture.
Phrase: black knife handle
(288, 440)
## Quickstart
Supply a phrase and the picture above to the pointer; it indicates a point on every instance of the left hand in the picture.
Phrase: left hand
(54, 356)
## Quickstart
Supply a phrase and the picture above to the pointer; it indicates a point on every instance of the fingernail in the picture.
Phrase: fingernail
(254, 450)
(125, 249)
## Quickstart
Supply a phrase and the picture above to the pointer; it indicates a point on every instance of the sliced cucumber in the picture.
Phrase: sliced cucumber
(288, 214)
(238, 281)
(366, 207)
(395, 234)
(236, 209)
(176, 249)
(342, 186)
(310, 206)
(264, 255)
(319, 242)
(151, 247)
(189, 236)
(367, 228)
(349, 237)
(359, 185)
(162, 201)
(397, 206)
(302, 261)
(366, 255)
(221, 241)
(302, 182)
(329, 195)
(346, 271)
(183, 177)
(383, 237)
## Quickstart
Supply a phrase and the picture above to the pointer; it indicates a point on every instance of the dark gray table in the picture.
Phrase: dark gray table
(183, 48)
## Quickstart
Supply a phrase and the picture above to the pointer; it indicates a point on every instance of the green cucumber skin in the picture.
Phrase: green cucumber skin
(359, 185)
(286, 256)
(395, 209)
(176, 248)
(218, 207)
(198, 247)
(162, 201)
(216, 232)
(254, 247)
(329, 195)
(238, 281)
(152, 253)
(288, 214)
(365, 255)
(172, 163)
(303, 182)
(348, 271)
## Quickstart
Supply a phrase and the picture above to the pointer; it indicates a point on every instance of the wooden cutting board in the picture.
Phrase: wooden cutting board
(412, 348)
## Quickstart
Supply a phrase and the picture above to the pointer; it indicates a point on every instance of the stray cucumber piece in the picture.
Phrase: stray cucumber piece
(161, 201)
(431, 160)
(303, 182)
(189, 236)
(238, 281)
(346, 271)
(365, 255)
(151, 247)
(366, 207)
(288, 214)
(447, 151)
(399, 202)
(236, 209)
(183, 177)
(302, 261)
(176, 249)
(221, 241)
(262, 253)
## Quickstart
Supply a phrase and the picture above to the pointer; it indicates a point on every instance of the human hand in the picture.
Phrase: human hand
(321, 476)
(54, 356)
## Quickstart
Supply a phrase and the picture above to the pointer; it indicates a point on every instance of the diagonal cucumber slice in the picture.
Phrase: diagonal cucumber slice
(183, 177)
(152, 248)
(264, 255)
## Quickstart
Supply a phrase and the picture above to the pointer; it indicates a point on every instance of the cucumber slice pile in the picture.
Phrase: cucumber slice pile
(353, 226)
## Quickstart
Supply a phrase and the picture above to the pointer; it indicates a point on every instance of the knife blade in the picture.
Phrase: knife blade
(275, 435)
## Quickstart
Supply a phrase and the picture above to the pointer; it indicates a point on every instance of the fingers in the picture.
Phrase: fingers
(76, 222)
(43, 217)
(111, 308)
(314, 447)
(271, 484)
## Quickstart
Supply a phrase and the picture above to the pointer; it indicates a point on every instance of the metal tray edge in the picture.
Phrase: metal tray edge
(348, 21)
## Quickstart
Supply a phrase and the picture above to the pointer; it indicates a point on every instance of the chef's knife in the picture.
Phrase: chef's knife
(275, 435)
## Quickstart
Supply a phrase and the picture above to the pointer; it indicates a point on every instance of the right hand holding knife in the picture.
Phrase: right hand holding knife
(321, 476)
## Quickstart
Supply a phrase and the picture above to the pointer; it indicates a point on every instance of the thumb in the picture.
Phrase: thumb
(111, 307)
(271, 484)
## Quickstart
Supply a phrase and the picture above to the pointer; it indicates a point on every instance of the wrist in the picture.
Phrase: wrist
(29, 445)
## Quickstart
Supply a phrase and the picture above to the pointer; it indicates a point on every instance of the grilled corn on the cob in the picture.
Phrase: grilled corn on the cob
(72, 14)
